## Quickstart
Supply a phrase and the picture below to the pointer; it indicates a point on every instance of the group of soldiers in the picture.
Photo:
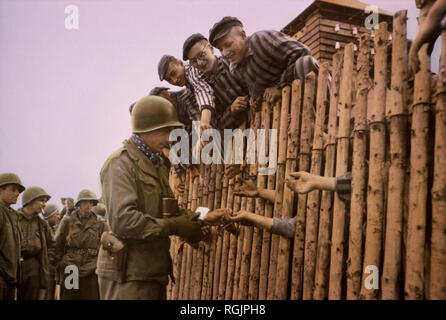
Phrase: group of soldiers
(38, 241)
(126, 256)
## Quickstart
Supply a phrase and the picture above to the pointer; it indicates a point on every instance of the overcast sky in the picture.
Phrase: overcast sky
(64, 94)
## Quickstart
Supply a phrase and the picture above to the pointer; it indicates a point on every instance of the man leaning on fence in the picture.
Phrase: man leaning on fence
(266, 61)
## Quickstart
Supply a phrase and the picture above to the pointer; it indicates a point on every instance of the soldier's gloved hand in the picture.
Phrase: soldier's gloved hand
(184, 227)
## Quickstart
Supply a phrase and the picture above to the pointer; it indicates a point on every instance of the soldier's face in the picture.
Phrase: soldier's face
(70, 204)
(9, 194)
(157, 139)
(55, 218)
(85, 206)
(233, 46)
(38, 205)
(202, 57)
(175, 74)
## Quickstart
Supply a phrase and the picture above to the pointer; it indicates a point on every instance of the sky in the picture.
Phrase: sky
(65, 94)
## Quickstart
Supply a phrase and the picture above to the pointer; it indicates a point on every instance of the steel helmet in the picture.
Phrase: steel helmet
(33, 193)
(152, 113)
(86, 194)
(99, 210)
(49, 211)
(11, 178)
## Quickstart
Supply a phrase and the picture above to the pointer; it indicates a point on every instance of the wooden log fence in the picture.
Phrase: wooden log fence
(355, 116)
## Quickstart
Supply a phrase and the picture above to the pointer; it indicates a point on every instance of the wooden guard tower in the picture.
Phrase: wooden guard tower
(328, 25)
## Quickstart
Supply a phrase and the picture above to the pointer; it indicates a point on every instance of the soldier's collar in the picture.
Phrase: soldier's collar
(156, 158)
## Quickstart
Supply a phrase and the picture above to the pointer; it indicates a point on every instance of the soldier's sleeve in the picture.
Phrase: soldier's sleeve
(120, 194)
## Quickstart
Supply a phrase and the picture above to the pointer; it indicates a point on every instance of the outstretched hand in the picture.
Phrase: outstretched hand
(302, 182)
(218, 216)
(243, 217)
(247, 189)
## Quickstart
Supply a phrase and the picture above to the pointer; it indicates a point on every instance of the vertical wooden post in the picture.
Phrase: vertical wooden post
(416, 233)
(213, 241)
(282, 193)
(397, 118)
(227, 202)
(218, 203)
(249, 231)
(359, 170)
(342, 156)
(324, 234)
(272, 271)
(438, 249)
(306, 139)
(266, 236)
(293, 133)
(234, 202)
(238, 259)
(375, 189)
(254, 271)
(314, 196)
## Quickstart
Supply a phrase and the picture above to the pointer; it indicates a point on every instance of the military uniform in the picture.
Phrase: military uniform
(133, 184)
(9, 252)
(37, 238)
(77, 243)
(49, 211)
(66, 212)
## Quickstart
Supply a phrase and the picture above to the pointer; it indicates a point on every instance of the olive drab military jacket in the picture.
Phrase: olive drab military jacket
(132, 188)
(9, 245)
(46, 238)
(77, 242)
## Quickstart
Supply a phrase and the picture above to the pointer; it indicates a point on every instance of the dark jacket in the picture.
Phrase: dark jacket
(9, 245)
(132, 188)
(47, 241)
(77, 242)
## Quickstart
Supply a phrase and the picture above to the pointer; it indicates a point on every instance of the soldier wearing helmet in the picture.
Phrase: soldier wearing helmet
(37, 238)
(51, 214)
(10, 189)
(134, 260)
(99, 210)
(77, 244)
(68, 208)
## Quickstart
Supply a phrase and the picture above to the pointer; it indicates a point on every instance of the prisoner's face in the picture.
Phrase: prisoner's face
(202, 57)
(233, 46)
(175, 74)
(9, 194)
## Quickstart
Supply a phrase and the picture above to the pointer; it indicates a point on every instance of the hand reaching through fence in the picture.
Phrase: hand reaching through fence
(248, 188)
(306, 182)
(217, 217)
